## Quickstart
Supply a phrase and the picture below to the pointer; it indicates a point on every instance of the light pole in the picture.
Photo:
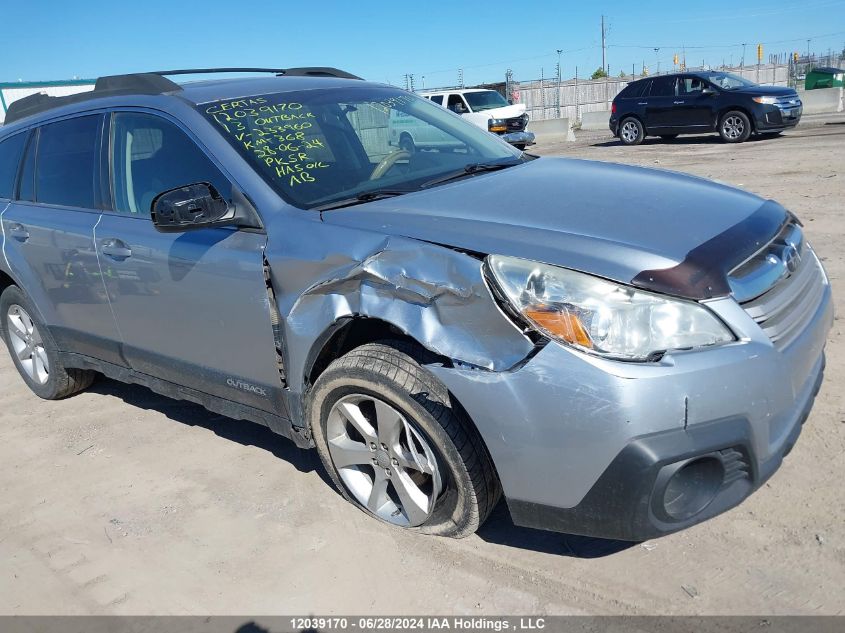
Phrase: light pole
(742, 63)
(808, 50)
(657, 59)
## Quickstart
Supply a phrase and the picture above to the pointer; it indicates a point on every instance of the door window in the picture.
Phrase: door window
(438, 99)
(663, 87)
(456, 104)
(690, 86)
(66, 162)
(10, 157)
(150, 156)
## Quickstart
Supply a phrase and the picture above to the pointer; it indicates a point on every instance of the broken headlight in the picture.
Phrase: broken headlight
(602, 317)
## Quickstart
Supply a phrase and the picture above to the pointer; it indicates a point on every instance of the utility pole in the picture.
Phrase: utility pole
(557, 99)
(808, 50)
(460, 77)
(742, 63)
(603, 47)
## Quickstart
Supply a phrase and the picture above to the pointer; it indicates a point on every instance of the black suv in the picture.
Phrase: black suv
(701, 102)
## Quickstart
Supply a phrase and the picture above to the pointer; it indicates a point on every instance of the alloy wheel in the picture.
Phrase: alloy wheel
(630, 132)
(28, 345)
(733, 127)
(385, 463)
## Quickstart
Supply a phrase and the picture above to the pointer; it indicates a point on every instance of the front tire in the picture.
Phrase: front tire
(34, 351)
(734, 127)
(631, 131)
(396, 445)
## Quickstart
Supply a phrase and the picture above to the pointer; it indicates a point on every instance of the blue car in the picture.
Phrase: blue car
(446, 325)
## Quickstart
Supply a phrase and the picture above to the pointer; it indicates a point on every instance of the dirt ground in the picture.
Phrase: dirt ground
(119, 501)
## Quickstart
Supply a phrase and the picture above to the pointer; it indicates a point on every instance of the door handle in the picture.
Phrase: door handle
(19, 232)
(643, 103)
(677, 102)
(115, 248)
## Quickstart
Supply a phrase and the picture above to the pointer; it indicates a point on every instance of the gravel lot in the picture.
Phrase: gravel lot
(121, 501)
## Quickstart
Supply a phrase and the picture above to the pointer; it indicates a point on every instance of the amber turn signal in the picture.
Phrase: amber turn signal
(562, 323)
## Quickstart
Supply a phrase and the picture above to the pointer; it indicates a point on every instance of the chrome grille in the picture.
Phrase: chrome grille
(784, 310)
(789, 101)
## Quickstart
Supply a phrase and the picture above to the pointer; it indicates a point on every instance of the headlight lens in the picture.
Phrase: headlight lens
(600, 316)
(766, 100)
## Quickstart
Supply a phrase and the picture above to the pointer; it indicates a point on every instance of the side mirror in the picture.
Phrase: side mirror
(709, 91)
(195, 206)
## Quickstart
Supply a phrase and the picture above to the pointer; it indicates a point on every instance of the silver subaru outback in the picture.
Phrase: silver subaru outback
(619, 352)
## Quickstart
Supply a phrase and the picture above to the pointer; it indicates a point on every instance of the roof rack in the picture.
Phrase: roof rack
(151, 83)
(305, 71)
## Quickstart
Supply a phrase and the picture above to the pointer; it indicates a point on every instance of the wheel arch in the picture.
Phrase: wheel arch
(738, 108)
(347, 333)
(633, 115)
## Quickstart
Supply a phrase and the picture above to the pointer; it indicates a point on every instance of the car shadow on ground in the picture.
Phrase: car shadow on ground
(240, 431)
(711, 139)
(500, 530)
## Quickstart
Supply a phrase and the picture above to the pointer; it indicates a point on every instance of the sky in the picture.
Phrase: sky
(385, 40)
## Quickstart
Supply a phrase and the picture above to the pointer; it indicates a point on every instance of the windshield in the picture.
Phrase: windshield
(316, 147)
(729, 81)
(485, 100)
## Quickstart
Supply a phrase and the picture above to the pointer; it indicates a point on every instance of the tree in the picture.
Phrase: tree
(622, 73)
(599, 74)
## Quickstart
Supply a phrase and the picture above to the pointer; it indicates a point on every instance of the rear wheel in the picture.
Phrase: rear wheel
(397, 446)
(631, 131)
(734, 127)
(34, 352)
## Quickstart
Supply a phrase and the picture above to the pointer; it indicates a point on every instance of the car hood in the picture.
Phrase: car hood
(505, 112)
(616, 221)
(773, 91)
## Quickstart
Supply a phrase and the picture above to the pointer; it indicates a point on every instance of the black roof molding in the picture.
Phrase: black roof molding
(151, 83)
(305, 71)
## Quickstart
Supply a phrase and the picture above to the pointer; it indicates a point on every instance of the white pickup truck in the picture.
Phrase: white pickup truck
(488, 110)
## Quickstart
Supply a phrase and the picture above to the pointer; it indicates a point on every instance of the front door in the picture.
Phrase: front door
(192, 307)
(693, 109)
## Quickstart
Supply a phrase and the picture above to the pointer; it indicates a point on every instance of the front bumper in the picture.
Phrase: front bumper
(518, 138)
(587, 446)
(772, 118)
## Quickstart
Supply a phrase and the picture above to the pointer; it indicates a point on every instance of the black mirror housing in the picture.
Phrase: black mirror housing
(709, 91)
(195, 206)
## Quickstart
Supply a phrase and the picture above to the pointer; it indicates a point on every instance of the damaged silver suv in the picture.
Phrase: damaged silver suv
(620, 352)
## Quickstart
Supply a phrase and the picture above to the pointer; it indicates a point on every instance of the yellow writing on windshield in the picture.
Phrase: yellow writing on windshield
(280, 135)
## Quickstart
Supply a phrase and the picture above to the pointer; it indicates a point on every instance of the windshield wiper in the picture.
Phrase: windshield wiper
(367, 196)
(468, 170)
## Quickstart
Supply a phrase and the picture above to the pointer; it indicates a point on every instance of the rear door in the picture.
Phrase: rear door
(49, 235)
(660, 111)
(192, 307)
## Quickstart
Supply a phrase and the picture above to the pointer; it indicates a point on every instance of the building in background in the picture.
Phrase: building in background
(11, 92)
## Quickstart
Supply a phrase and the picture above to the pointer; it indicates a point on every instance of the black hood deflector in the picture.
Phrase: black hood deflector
(703, 274)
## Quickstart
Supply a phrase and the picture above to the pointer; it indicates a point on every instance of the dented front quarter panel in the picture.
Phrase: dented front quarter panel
(323, 273)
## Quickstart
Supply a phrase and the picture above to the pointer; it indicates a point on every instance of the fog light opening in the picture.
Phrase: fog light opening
(693, 486)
